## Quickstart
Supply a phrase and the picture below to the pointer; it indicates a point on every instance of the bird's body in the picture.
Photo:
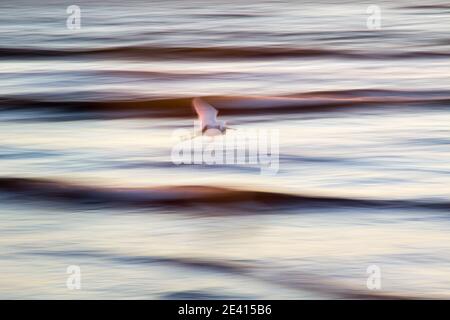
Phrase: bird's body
(207, 115)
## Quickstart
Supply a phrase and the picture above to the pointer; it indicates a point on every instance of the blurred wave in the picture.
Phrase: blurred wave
(340, 100)
(86, 121)
(157, 52)
(186, 196)
(247, 269)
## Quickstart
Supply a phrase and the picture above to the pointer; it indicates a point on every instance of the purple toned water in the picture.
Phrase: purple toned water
(87, 179)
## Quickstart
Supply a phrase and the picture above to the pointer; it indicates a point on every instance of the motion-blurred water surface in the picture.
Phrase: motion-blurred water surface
(86, 124)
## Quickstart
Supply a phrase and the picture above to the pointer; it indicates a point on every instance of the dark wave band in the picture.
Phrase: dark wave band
(228, 105)
(186, 196)
(158, 52)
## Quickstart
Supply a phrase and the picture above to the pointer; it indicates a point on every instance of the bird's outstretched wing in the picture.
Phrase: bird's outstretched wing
(191, 136)
(206, 113)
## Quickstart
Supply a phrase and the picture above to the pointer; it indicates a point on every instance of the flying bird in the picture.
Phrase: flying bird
(207, 115)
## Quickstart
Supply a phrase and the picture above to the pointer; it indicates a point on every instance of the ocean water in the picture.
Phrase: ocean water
(87, 119)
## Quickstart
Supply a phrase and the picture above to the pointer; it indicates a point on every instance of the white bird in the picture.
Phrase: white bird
(207, 115)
